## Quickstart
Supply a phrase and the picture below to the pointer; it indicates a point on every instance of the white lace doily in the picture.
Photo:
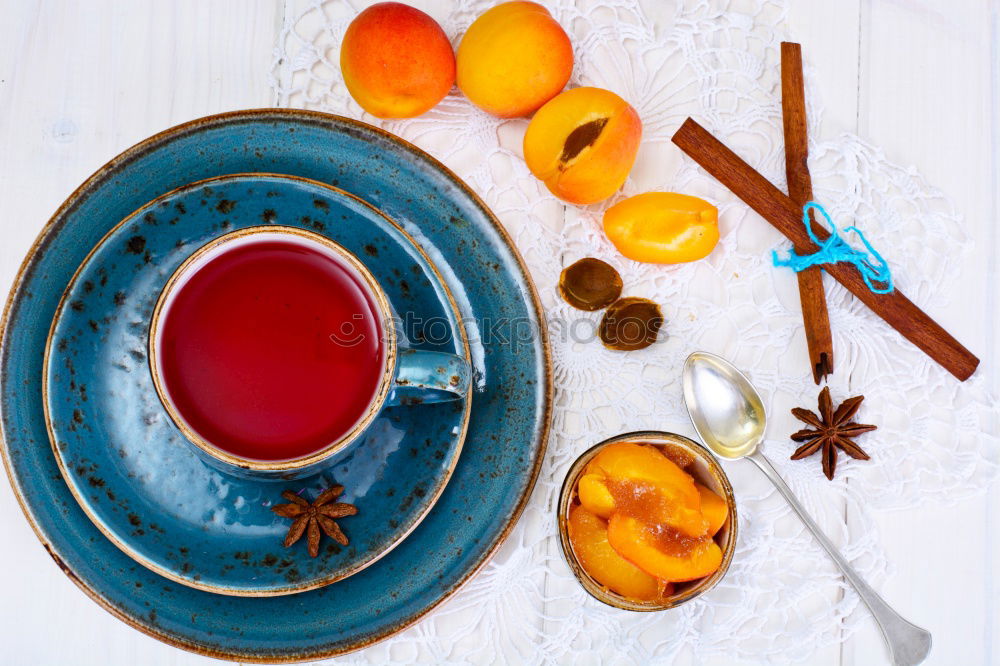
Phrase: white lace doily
(715, 60)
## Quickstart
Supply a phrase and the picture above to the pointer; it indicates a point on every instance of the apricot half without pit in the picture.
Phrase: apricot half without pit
(663, 227)
(582, 144)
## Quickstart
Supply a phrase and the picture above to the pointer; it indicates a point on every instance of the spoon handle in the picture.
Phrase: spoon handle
(908, 643)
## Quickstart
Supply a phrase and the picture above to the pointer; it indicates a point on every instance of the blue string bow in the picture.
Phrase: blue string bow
(835, 249)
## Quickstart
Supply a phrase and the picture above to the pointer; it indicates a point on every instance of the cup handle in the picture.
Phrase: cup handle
(429, 376)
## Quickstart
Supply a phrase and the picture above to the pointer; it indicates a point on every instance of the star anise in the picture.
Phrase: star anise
(311, 518)
(832, 430)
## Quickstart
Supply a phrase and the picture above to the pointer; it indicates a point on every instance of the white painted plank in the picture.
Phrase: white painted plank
(79, 82)
(991, 584)
(829, 34)
(925, 99)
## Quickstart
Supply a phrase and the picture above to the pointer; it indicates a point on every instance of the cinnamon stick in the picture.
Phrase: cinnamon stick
(815, 317)
(786, 216)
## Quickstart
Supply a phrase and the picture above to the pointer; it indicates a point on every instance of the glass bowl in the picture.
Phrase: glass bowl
(704, 468)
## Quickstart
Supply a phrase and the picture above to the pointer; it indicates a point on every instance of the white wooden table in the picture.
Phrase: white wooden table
(81, 81)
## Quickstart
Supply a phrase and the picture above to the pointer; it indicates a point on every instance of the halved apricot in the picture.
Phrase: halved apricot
(588, 535)
(646, 484)
(713, 508)
(663, 227)
(638, 462)
(582, 144)
(638, 543)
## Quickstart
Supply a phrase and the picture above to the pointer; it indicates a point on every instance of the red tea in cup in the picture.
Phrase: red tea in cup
(269, 347)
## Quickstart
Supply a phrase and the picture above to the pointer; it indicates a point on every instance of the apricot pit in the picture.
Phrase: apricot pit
(631, 324)
(590, 284)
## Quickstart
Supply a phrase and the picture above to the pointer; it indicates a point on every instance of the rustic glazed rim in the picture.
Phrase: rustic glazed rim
(176, 281)
(191, 582)
(689, 592)
(315, 117)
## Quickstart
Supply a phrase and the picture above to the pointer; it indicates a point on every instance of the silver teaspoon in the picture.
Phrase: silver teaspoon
(728, 414)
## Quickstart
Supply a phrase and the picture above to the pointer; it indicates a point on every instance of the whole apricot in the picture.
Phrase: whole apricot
(663, 227)
(514, 58)
(396, 61)
(582, 144)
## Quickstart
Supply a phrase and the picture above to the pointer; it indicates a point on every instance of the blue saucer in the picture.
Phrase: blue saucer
(500, 459)
(128, 464)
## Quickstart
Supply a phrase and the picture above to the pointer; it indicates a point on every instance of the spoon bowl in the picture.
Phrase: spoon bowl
(724, 406)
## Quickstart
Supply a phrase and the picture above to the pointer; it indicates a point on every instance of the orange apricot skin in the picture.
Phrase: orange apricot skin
(588, 535)
(513, 59)
(629, 539)
(598, 170)
(626, 462)
(713, 508)
(663, 227)
(396, 61)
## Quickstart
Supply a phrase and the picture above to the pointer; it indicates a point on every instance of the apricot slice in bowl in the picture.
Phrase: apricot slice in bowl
(588, 534)
(644, 483)
(595, 496)
(713, 508)
(582, 144)
(638, 543)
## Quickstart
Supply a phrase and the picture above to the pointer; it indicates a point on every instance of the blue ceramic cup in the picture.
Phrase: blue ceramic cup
(409, 376)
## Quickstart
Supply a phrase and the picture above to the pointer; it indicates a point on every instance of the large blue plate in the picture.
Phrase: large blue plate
(507, 428)
(128, 464)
